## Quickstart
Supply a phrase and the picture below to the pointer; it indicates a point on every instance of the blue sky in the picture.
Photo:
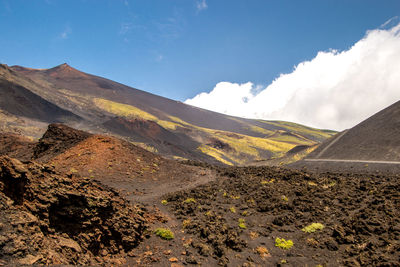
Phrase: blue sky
(178, 48)
(323, 63)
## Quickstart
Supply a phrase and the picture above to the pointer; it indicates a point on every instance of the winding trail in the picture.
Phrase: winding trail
(354, 161)
(332, 143)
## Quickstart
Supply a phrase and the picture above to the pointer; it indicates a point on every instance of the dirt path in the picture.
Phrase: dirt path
(331, 144)
(154, 251)
(353, 161)
(151, 191)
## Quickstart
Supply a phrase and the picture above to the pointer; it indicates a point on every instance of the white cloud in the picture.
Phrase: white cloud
(201, 5)
(66, 33)
(125, 28)
(159, 58)
(335, 90)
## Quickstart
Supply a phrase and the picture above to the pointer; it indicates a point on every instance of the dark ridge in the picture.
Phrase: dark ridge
(16, 146)
(57, 139)
(298, 149)
(20, 101)
(377, 138)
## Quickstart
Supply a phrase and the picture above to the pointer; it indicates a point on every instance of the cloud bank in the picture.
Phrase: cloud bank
(66, 33)
(334, 90)
(201, 5)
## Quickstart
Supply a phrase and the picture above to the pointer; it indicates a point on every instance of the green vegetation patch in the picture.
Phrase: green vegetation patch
(164, 233)
(264, 182)
(283, 244)
(242, 224)
(189, 200)
(313, 227)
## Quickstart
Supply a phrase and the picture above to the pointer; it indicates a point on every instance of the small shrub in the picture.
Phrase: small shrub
(312, 242)
(331, 184)
(254, 235)
(285, 198)
(164, 202)
(263, 182)
(235, 197)
(283, 244)
(244, 213)
(232, 209)
(186, 223)
(164, 233)
(242, 224)
(190, 200)
(313, 227)
(262, 251)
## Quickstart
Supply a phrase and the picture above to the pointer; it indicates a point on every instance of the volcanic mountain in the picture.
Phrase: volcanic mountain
(33, 98)
(375, 139)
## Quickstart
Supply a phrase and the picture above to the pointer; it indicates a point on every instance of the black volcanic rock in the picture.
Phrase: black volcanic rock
(57, 139)
(50, 219)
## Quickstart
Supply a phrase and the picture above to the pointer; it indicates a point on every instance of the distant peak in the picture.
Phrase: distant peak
(63, 66)
(4, 66)
(65, 70)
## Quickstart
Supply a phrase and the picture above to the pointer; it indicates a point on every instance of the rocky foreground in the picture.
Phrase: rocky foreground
(259, 216)
(64, 201)
(46, 218)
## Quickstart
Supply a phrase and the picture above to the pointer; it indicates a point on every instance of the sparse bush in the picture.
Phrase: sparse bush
(164, 202)
(313, 227)
(262, 251)
(232, 209)
(164, 233)
(242, 224)
(285, 198)
(190, 200)
(254, 235)
(263, 182)
(186, 223)
(331, 184)
(283, 244)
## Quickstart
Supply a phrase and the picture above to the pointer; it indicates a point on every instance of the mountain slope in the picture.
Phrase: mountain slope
(158, 124)
(377, 138)
(20, 101)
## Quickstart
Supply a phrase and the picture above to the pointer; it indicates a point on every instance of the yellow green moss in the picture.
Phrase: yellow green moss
(313, 227)
(283, 244)
(164, 233)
